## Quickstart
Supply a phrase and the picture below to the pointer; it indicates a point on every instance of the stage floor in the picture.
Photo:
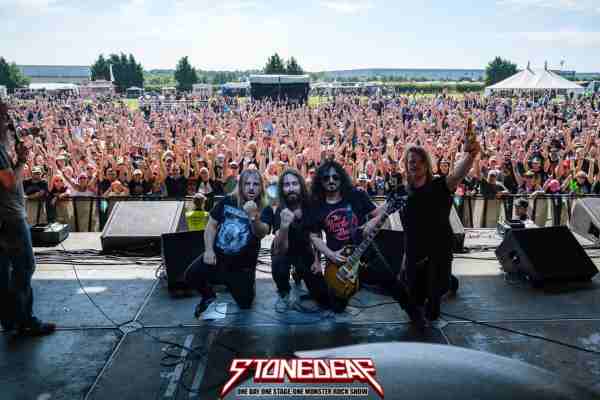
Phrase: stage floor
(89, 357)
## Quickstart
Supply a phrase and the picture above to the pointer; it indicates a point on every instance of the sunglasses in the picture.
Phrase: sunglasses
(335, 177)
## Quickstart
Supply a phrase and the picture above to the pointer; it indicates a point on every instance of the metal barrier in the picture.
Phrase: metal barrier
(89, 214)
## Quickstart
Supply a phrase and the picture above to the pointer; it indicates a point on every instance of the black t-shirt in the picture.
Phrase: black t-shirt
(426, 222)
(393, 181)
(489, 190)
(104, 185)
(298, 234)
(176, 187)
(139, 188)
(234, 233)
(31, 187)
(340, 221)
(210, 188)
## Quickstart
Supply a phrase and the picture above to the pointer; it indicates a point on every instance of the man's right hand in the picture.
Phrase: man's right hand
(209, 257)
(337, 257)
(287, 217)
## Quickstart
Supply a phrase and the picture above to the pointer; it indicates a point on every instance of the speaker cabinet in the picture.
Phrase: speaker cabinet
(585, 219)
(179, 250)
(136, 226)
(545, 254)
(390, 244)
(458, 230)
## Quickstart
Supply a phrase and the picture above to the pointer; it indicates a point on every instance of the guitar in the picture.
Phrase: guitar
(343, 279)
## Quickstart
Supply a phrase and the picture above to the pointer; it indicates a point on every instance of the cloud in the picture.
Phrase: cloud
(561, 5)
(347, 6)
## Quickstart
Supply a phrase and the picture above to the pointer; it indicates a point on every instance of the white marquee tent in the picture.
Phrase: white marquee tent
(530, 80)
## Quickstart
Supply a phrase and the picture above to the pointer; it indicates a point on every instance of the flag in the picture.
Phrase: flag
(112, 77)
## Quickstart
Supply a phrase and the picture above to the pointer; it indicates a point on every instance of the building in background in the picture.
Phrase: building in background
(77, 74)
(97, 88)
(202, 90)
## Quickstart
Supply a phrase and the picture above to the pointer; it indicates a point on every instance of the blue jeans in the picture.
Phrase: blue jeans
(16, 270)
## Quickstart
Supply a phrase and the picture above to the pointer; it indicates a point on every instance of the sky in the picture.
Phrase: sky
(323, 35)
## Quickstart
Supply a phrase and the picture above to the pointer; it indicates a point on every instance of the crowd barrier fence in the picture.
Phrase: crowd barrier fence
(89, 214)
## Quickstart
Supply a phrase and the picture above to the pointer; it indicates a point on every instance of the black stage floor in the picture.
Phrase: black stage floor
(89, 358)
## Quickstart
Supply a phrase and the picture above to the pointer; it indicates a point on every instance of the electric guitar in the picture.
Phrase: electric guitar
(343, 279)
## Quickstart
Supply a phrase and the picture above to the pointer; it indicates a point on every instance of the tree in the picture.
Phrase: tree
(126, 71)
(275, 65)
(185, 75)
(11, 76)
(293, 68)
(100, 69)
(499, 69)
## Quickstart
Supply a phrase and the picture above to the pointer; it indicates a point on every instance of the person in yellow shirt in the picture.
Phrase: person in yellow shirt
(197, 217)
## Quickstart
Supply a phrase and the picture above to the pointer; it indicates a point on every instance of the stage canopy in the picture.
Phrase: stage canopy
(289, 88)
(53, 86)
(535, 80)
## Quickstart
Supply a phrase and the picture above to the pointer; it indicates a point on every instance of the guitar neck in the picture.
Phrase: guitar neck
(359, 251)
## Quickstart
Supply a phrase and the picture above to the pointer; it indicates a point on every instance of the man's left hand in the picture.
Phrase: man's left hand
(251, 209)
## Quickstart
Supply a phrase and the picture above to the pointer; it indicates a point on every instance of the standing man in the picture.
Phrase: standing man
(292, 244)
(232, 242)
(342, 211)
(428, 253)
(17, 262)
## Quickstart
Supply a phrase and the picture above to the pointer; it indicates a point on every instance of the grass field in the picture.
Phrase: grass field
(133, 104)
(313, 101)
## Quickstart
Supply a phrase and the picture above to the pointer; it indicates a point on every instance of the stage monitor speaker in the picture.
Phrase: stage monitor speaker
(390, 244)
(179, 250)
(545, 254)
(136, 226)
(585, 218)
(458, 230)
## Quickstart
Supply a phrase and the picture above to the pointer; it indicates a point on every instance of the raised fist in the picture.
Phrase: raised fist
(251, 209)
(287, 217)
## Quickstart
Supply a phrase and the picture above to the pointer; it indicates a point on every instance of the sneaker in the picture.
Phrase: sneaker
(36, 328)
(203, 305)
(287, 300)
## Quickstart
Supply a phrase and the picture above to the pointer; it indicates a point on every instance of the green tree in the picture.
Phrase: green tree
(126, 71)
(11, 76)
(499, 69)
(100, 69)
(185, 75)
(293, 68)
(275, 65)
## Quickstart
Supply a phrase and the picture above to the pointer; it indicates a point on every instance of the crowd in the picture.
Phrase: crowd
(104, 148)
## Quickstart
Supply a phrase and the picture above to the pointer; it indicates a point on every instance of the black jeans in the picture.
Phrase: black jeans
(315, 283)
(17, 265)
(430, 281)
(237, 273)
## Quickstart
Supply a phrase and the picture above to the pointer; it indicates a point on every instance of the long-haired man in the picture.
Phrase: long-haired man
(17, 263)
(428, 233)
(343, 213)
(292, 244)
(232, 242)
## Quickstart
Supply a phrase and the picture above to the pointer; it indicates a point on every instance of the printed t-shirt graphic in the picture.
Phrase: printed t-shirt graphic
(234, 233)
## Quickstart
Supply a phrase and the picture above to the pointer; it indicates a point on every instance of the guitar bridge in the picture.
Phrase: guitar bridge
(344, 275)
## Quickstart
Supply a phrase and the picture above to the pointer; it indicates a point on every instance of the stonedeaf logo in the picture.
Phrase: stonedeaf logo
(304, 370)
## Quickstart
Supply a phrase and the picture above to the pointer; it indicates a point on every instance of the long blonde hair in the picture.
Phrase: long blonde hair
(239, 190)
